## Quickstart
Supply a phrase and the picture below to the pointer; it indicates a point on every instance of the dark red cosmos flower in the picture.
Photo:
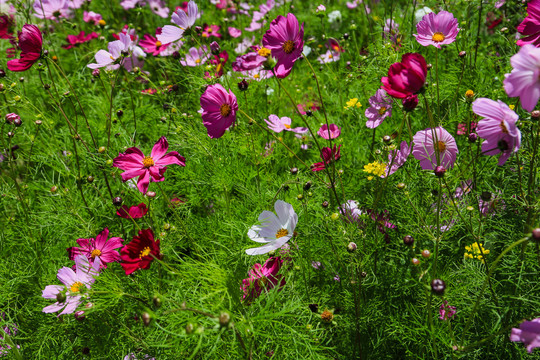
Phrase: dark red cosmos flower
(7, 22)
(31, 44)
(219, 62)
(134, 212)
(75, 40)
(406, 77)
(140, 252)
(328, 155)
(530, 26)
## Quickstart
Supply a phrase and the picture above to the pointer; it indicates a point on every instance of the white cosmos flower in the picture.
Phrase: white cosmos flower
(274, 231)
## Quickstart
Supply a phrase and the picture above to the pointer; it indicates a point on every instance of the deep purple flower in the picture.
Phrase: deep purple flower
(285, 40)
(331, 132)
(435, 147)
(218, 110)
(437, 29)
(523, 80)
(380, 108)
(498, 128)
(528, 333)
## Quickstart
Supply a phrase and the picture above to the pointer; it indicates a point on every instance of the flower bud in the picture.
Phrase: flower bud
(96, 73)
(536, 234)
(294, 170)
(408, 240)
(324, 204)
(439, 171)
(307, 185)
(61, 297)
(351, 247)
(224, 319)
(176, 55)
(243, 85)
(313, 307)
(146, 318)
(215, 48)
(401, 186)
(410, 102)
(486, 196)
(2, 73)
(54, 188)
(438, 286)
(151, 194)
(117, 201)
(102, 149)
(426, 253)
(190, 327)
(535, 114)
(472, 137)
(386, 139)
(79, 315)
(462, 54)
(415, 261)
(327, 316)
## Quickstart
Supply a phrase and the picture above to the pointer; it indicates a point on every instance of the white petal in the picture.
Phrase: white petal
(274, 245)
(253, 234)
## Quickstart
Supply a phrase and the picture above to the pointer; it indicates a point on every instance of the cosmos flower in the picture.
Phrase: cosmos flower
(75, 40)
(530, 26)
(51, 9)
(99, 247)
(93, 17)
(280, 124)
(152, 45)
(351, 211)
(31, 44)
(218, 110)
(328, 156)
(196, 57)
(328, 133)
(528, 333)
(70, 295)
(109, 58)
(134, 163)
(274, 231)
(380, 107)
(406, 77)
(285, 41)
(430, 157)
(211, 30)
(446, 312)
(183, 21)
(262, 278)
(437, 29)
(498, 128)
(396, 158)
(133, 212)
(523, 81)
(140, 252)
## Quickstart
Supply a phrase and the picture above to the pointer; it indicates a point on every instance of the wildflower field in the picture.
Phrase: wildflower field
(269, 179)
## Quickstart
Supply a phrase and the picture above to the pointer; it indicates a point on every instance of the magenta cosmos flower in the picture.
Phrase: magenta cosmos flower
(523, 80)
(280, 124)
(530, 26)
(218, 110)
(396, 158)
(70, 295)
(134, 163)
(75, 40)
(406, 77)
(437, 29)
(328, 156)
(498, 128)
(152, 45)
(133, 212)
(528, 333)
(328, 133)
(140, 252)
(31, 44)
(99, 248)
(435, 147)
(262, 278)
(380, 107)
(183, 21)
(285, 41)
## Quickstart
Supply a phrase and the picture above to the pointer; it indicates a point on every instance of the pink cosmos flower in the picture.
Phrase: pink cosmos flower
(391, 31)
(397, 158)
(462, 128)
(217, 64)
(446, 312)
(75, 40)
(437, 29)
(133, 212)
(329, 133)
(196, 57)
(328, 57)
(218, 110)
(92, 17)
(491, 203)
(498, 128)
(211, 30)
(234, 32)
(183, 21)
(435, 147)
(262, 278)
(530, 26)
(285, 41)
(406, 77)
(523, 80)
(528, 333)
(278, 125)
(69, 296)
(248, 61)
(51, 9)
(159, 7)
(134, 163)
(30, 43)
(351, 211)
(109, 58)
(99, 247)
(152, 45)
(380, 108)
(328, 156)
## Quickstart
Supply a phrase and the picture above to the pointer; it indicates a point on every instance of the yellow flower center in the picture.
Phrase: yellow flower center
(144, 252)
(76, 287)
(469, 94)
(225, 110)
(256, 76)
(382, 110)
(288, 46)
(264, 52)
(147, 162)
(95, 252)
(287, 126)
(197, 61)
(102, 22)
(158, 43)
(112, 58)
(504, 129)
(263, 281)
(281, 233)
(438, 37)
(441, 146)
(330, 56)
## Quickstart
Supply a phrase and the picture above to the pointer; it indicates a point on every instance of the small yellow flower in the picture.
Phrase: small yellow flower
(353, 103)
(469, 94)
(474, 251)
(512, 106)
(376, 168)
